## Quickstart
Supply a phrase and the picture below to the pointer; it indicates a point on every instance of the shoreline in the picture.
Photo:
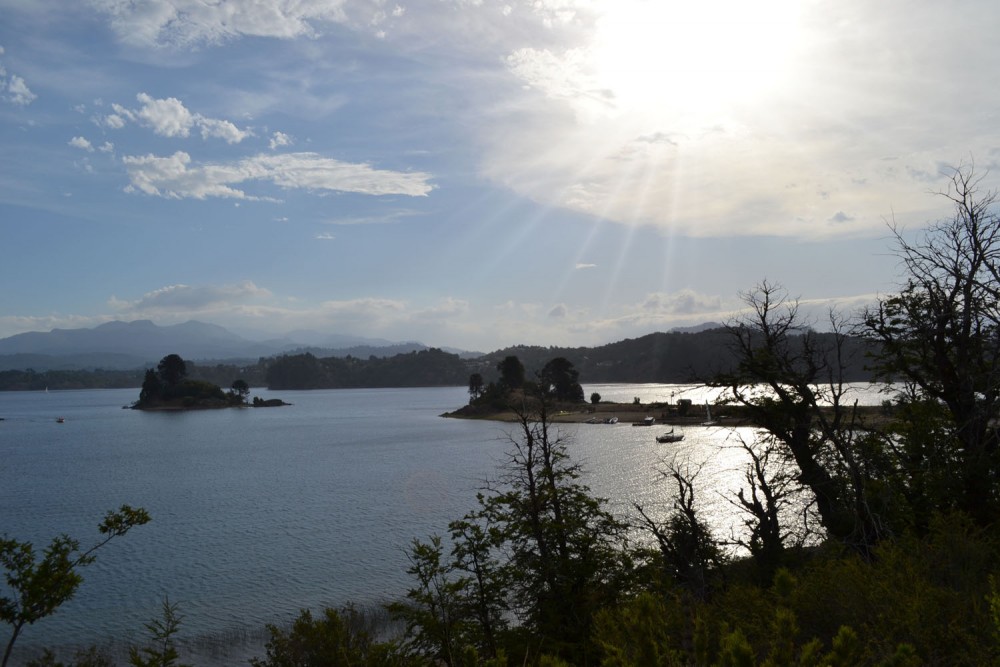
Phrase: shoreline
(663, 414)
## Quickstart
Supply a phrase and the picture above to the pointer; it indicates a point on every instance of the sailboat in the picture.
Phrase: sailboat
(670, 436)
(708, 416)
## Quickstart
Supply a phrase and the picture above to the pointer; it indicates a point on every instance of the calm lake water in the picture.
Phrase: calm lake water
(259, 513)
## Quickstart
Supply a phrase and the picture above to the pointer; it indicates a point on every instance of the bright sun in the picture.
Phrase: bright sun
(696, 56)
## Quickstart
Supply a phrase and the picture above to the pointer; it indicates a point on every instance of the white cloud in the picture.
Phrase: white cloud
(683, 302)
(107, 147)
(581, 266)
(114, 121)
(447, 309)
(178, 23)
(175, 177)
(17, 90)
(187, 298)
(172, 178)
(325, 236)
(279, 139)
(220, 129)
(81, 143)
(168, 117)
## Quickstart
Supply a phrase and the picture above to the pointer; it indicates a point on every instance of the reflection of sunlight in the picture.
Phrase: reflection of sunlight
(693, 57)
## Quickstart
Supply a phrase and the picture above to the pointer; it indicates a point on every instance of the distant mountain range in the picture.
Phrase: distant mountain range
(141, 344)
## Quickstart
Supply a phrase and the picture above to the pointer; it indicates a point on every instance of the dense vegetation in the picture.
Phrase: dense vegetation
(657, 357)
(426, 368)
(168, 387)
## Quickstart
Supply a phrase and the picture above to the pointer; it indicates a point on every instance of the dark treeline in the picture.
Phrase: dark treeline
(664, 357)
(55, 380)
(426, 368)
(657, 357)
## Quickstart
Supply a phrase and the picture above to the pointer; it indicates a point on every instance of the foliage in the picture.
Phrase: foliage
(169, 386)
(239, 392)
(160, 650)
(89, 657)
(425, 368)
(339, 638)
(595, 398)
(793, 389)
(511, 372)
(689, 554)
(171, 369)
(476, 386)
(940, 336)
(38, 587)
(539, 549)
(559, 379)
(921, 600)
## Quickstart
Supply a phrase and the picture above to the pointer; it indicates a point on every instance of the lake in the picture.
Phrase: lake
(258, 513)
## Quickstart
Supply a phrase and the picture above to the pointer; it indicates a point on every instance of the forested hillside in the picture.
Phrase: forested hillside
(427, 368)
(657, 357)
(662, 357)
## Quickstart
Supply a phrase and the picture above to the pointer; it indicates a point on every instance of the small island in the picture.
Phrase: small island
(168, 388)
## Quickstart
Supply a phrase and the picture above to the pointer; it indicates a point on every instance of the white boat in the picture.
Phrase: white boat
(611, 420)
(670, 436)
(708, 416)
(648, 421)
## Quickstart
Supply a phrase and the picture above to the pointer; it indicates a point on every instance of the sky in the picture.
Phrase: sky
(476, 174)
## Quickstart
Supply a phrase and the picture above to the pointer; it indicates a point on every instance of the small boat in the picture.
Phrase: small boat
(611, 420)
(670, 436)
(60, 420)
(708, 416)
(648, 421)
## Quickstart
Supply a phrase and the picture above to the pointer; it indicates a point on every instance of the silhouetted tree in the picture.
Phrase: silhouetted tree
(476, 386)
(511, 372)
(561, 380)
(940, 336)
(241, 390)
(152, 387)
(172, 369)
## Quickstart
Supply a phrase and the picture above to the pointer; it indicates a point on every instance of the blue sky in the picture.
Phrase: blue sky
(471, 173)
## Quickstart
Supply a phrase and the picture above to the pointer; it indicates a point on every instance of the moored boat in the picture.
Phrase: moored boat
(670, 436)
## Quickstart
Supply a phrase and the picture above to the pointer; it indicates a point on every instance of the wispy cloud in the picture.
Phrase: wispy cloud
(176, 177)
(384, 218)
(179, 23)
(190, 298)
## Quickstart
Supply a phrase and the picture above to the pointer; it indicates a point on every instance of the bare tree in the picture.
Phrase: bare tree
(790, 380)
(940, 336)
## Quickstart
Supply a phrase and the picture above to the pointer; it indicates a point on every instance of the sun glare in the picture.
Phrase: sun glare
(659, 56)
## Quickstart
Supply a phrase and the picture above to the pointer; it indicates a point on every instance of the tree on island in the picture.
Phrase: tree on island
(172, 369)
(561, 380)
(168, 387)
(476, 386)
(240, 391)
(511, 372)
